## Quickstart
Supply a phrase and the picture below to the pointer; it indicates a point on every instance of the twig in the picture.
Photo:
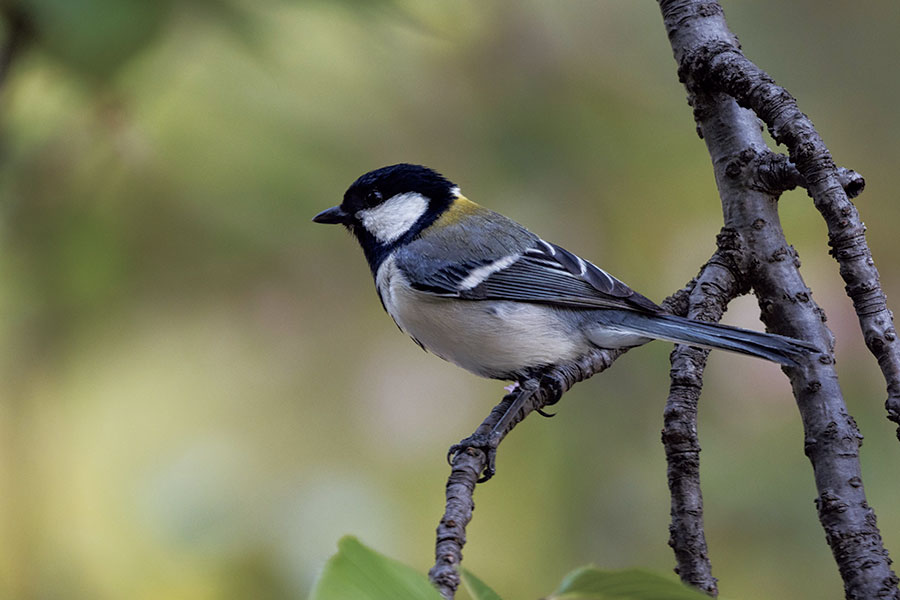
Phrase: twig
(468, 465)
(466, 468)
(775, 173)
(712, 61)
(451, 532)
(716, 285)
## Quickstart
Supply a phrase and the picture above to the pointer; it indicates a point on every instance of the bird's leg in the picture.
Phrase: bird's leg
(505, 415)
(489, 434)
(522, 394)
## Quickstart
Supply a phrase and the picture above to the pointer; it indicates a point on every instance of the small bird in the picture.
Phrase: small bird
(481, 291)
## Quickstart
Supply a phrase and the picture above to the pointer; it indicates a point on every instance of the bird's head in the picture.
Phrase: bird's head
(390, 206)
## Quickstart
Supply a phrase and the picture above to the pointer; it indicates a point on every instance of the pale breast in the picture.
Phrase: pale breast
(491, 339)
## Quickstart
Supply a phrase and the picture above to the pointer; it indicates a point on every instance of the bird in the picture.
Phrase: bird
(481, 291)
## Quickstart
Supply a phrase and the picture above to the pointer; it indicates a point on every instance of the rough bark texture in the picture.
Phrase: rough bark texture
(710, 61)
(717, 284)
(715, 73)
(468, 465)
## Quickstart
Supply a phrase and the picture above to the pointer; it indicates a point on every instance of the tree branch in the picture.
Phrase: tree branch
(709, 59)
(775, 173)
(716, 64)
(468, 465)
(715, 286)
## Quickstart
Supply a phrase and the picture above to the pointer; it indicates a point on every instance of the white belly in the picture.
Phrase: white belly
(491, 339)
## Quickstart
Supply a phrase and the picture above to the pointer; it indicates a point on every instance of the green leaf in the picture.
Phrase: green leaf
(357, 572)
(478, 589)
(589, 583)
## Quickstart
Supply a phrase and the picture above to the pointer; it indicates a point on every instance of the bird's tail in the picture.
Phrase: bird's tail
(770, 346)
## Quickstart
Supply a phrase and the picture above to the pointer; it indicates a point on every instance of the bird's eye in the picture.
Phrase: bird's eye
(372, 198)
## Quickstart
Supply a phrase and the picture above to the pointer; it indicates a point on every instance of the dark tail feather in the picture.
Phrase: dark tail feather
(777, 348)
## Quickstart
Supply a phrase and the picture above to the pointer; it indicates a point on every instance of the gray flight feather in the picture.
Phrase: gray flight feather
(777, 348)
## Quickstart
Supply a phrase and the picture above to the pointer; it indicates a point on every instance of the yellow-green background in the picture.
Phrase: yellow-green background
(200, 392)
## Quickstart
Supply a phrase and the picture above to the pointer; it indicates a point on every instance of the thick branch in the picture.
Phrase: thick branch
(708, 55)
(714, 288)
(715, 63)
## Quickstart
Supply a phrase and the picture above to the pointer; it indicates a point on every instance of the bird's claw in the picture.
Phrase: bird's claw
(554, 389)
(485, 443)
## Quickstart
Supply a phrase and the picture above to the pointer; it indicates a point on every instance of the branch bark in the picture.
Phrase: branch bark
(717, 284)
(710, 63)
(775, 173)
(468, 465)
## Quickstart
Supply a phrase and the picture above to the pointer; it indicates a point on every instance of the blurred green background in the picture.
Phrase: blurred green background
(200, 391)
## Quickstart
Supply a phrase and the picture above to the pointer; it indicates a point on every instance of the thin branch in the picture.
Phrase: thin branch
(715, 286)
(712, 60)
(468, 465)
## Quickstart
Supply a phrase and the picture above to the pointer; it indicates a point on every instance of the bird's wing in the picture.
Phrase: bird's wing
(542, 273)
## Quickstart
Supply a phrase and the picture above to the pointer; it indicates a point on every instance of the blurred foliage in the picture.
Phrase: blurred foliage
(628, 584)
(199, 391)
(95, 37)
(358, 572)
(477, 589)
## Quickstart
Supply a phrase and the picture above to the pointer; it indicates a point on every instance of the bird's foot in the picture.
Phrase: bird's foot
(486, 443)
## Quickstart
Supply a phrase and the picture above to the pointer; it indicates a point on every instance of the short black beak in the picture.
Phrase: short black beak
(332, 215)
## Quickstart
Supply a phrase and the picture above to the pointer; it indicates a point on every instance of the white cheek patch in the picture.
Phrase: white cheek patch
(392, 218)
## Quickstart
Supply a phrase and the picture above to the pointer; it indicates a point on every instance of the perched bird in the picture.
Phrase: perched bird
(481, 291)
